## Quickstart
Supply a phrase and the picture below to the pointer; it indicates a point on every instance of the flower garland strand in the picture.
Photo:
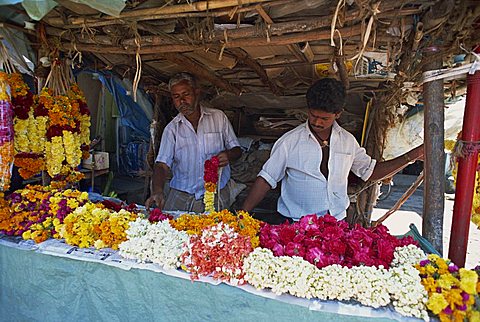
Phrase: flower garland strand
(324, 241)
(452, 292)
(68, 131)
(94, 225)
(241, 222)
(30, 124)
(33, 211)
(210, 177)
(158, 243)
(371, 286)
(218, 251)
(6, 134)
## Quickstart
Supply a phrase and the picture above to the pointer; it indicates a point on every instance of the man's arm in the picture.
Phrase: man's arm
(387, 169)
(227, 156)
(160, 172)
(256, 194)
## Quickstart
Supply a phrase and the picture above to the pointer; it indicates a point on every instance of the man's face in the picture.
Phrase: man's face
(320, 121)
(185, 98)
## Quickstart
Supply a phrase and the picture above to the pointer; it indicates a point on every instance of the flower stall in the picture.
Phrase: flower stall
(318, 262)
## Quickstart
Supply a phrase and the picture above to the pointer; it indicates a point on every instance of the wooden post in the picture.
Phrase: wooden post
(434, 202)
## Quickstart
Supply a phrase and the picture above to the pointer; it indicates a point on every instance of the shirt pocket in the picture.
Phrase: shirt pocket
(213, 143)
(340, 166)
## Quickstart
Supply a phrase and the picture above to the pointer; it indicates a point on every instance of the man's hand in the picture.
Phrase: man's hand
(156, 198)
(223, 159)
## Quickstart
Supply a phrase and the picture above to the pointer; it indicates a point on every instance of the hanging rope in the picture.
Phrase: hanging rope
(366, 36)
(463, 149)
(402, 199)
(138, 60)
(340, 4)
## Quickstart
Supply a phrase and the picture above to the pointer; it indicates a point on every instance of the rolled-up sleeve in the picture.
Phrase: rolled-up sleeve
(363, 165)
(231, 140)
(274, 169)
(167, 147)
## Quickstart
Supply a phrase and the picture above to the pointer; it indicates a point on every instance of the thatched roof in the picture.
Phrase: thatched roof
(262, 50)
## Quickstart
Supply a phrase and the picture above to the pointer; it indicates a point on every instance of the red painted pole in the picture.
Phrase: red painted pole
(467, 166)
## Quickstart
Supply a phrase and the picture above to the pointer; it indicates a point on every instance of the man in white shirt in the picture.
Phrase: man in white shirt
(196, 134)
(313, 160)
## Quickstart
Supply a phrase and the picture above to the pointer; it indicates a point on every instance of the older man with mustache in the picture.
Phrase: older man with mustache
(196, 134)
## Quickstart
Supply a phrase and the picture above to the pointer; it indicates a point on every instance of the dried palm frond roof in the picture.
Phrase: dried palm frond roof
(266, 48)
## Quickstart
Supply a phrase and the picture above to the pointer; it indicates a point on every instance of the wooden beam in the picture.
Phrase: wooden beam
(163, 10)
(247, 42)
(250, 62)
(201, 72)
(276, 29)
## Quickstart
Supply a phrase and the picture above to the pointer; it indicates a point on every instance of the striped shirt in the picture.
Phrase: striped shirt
(185, 151)
(295, 160)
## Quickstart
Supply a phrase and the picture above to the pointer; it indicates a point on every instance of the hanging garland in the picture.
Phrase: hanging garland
(6, 133)
(68, 129)
(30, 124)
(210, 177)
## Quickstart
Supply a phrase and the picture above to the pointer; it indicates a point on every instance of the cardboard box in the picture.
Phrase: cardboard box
(101, 161)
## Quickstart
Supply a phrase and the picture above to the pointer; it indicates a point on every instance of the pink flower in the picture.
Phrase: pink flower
(277, 249)
(294, 249)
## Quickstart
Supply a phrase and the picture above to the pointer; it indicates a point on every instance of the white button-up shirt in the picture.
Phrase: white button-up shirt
(295, 160)
(185, 150)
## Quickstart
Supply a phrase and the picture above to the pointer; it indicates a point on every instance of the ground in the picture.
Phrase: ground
(412, 210)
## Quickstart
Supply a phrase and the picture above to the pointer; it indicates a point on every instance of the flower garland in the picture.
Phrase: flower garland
(210, 177)
(94, 225)
(324, 241)
(33, 211)
(158, 243)
(77, 98)
(241, 222)
(30, 125)
(370, 286)
(218, 251)
(68, 132)
(452, 291)
(6, 134)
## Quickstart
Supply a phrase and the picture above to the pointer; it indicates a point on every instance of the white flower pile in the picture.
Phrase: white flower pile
(158, 243)
(370, 286)
(408, 294)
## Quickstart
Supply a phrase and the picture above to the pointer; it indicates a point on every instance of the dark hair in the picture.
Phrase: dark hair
(181, 77)
(327, 94)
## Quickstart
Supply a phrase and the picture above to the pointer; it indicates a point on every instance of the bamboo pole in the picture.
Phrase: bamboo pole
(276, 29)
(164, 10)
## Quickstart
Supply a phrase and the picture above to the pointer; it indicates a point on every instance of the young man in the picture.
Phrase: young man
(196, 134)
(313, 160)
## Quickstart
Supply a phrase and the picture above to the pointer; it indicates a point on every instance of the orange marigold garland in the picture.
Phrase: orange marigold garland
(6, 134)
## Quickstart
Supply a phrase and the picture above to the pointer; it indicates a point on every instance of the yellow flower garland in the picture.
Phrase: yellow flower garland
(54, 155)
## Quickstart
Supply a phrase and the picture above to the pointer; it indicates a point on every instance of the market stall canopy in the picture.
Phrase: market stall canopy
(255, 51)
